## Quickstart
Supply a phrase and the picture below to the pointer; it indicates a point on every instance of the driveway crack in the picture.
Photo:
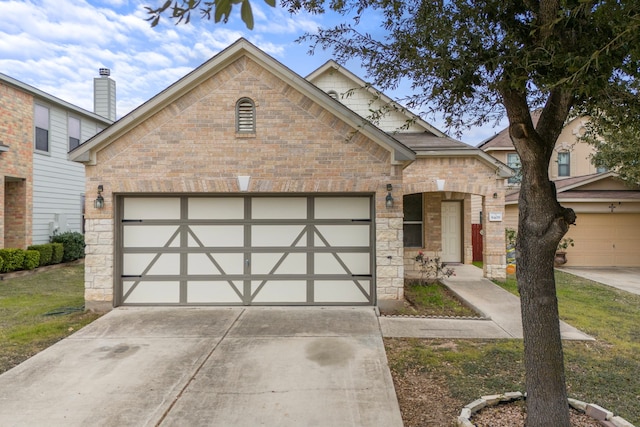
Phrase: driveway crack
(198, 369)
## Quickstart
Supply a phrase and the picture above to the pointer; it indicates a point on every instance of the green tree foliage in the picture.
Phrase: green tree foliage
(221, 9)
(475, 62)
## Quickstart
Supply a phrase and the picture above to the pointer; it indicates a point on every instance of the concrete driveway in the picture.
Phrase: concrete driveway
(209, 367)
(624, 278)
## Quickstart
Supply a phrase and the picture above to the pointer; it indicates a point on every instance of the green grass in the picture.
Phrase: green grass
(603, 372)
(27, 306)
(432, 299)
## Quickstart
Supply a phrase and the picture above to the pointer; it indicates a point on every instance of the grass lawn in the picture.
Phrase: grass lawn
(38, 310)
(604, 372)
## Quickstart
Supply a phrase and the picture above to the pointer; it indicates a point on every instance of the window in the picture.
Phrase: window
(245, 116)
(564, 166)
(42, 128)
(601, 169)
(412, 224)
(73, 129)
(513, 161)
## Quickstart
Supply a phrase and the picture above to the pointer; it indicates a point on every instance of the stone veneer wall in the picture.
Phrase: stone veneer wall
(191, 147)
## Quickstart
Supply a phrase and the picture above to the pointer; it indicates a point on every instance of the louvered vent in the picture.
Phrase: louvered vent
(245, 116)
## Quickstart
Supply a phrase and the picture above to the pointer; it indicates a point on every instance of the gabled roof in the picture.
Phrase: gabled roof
(332, 65)
(42, 95)
(430, 143)
(87, 152)
(576, 189)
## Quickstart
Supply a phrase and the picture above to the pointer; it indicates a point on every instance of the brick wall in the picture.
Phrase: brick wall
(463, 177)
(191, 146)
(16, 167)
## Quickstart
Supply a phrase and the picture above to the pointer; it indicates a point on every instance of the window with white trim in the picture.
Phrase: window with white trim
(41, 120)
(245, 116)
(73, 129)
(564, 164)
(412, 224)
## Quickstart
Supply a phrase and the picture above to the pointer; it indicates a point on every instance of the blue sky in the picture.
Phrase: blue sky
(58, 46)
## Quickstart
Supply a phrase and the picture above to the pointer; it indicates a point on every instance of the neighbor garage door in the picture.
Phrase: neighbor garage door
(193, 250)
(605, 239)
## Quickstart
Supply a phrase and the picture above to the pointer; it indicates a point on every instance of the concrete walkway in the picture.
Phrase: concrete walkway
(500, 308)
(624, 278)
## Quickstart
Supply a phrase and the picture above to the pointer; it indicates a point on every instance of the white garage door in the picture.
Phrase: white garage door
(249, 250)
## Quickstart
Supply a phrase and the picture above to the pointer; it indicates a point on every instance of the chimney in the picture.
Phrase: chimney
(104, 95)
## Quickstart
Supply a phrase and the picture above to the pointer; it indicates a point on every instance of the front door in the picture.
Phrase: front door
(451, 232)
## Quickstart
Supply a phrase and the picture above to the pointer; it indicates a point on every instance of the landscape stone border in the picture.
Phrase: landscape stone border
(605, 417)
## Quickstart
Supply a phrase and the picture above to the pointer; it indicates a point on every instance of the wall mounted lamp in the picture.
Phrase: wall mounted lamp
(388, 201)
(495, 195)
(99, 202)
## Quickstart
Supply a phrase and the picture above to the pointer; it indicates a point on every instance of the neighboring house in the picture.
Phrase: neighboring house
(245, 183)
(42, 191)
(607, 231)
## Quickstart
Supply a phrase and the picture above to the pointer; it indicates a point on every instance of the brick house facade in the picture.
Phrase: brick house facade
(184, 148)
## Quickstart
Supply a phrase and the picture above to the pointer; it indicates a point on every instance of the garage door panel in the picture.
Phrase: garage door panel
(216, 208)
(246, 250)
(135, 264)
(342, 235)
(216, 235)
(342, 263)
(159, 292)
(215, 264)
(333, 291)
(279, 208)
(279, 263)
(157, 236)
(279, 291)
(141, 208)
(222, 292)
(278, 236)
(342, 208)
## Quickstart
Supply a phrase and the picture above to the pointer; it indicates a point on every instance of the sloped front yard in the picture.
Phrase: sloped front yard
(38, 310)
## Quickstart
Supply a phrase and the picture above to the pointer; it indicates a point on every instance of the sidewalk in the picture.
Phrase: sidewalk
(500, 309)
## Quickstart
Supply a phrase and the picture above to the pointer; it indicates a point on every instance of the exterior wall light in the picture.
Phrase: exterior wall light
(389, 199)
(99, 202)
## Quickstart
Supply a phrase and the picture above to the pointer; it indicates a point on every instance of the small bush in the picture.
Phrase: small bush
(57, 253)
(13, 259)
(73, 245)
(1, 264)
(45, 250)
(31, 259)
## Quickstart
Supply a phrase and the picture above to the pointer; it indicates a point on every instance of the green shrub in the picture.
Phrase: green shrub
(45, 250)
(31, 259)
(13, 259)
(57, 253)
(1, 264)
(73, 245)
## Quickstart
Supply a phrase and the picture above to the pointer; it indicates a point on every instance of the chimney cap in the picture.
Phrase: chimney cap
(104, 72)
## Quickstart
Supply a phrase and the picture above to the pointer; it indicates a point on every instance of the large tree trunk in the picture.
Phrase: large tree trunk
(542, 223)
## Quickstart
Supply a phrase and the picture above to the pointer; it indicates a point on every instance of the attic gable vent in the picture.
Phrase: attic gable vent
(245, 116)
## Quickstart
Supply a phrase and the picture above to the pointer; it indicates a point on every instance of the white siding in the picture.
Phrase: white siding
(359, 101)
(58, 183)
